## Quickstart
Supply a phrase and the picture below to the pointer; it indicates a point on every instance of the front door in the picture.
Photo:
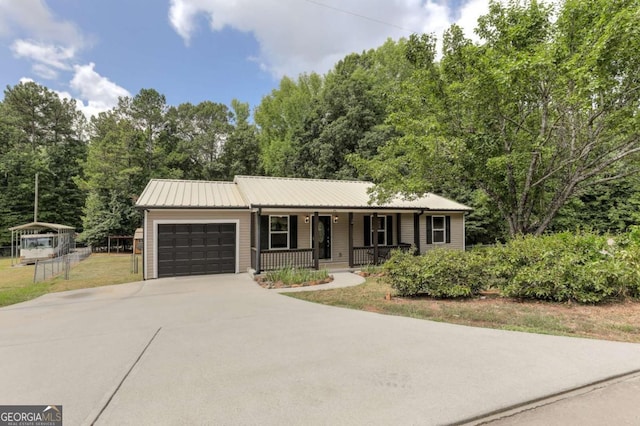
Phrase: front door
(324, 236)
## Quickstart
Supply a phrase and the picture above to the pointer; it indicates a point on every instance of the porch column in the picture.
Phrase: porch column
(398, 229)
(374, 232)
(13, 248)
(316, 243)
(416, 231)
(258, 239)
(350, 240)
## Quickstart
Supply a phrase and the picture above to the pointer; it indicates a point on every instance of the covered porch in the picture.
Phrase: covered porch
(331, 239)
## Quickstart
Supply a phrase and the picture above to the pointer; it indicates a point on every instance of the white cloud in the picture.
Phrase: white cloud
(35, 18)
(48, 54)
(100, 93)
(311, 35)
(304, 36)
(51, 45)
(469, 14)
(96, 93)
(44, 71)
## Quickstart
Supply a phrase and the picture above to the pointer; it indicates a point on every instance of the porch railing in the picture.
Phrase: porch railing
(303, 258)
(366, 256)
(275, 259)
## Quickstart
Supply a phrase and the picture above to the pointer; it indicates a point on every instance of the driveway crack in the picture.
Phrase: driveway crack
(125, 376)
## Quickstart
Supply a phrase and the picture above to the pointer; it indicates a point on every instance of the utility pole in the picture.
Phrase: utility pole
(35, 204)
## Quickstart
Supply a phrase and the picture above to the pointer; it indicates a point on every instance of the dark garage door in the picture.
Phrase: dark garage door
(196, 249)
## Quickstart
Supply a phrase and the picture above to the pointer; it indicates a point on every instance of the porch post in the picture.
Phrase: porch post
(416, 231)
(398, 229)
(258, 240)
(350, 239)
(374, 232)
(12, 246)
(316, 243)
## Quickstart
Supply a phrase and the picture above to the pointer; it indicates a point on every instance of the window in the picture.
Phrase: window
(439, 229)
(385, 230)
(382, 230)
(278, 232)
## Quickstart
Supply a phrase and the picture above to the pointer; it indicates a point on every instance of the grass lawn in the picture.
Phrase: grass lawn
(611, 322)
(16, 283)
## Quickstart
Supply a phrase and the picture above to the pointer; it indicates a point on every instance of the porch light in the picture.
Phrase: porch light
(335, 219)
(306, 219)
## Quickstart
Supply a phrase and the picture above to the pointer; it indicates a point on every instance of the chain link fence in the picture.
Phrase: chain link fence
(47, 269)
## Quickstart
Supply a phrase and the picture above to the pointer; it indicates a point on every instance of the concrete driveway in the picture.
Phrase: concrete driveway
(221, 350)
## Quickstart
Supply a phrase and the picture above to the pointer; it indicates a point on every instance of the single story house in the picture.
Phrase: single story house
(264, 223)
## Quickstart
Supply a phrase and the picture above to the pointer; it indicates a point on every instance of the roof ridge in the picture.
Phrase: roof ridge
(193, 181)
(304, 179)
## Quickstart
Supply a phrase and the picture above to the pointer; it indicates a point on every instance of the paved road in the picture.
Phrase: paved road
(221, 350)
(615, 402)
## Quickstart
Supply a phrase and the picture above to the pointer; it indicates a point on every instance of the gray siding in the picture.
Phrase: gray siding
(457, 232)
(406, 230)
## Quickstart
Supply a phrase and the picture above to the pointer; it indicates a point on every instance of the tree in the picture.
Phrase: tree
(195, 139)
(114, 177)
(309, 127)
(349, 107)
(537, 111)
(147, 111)
(611, 207)
(40, 133)
(241, 150)
(280, 115)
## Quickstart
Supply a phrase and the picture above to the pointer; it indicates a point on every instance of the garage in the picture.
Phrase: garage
(196, 249)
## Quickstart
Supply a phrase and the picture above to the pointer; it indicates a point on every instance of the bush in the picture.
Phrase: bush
(290, 276)
(438, 273)
(629, 253)
(583, 267)
(563, 267)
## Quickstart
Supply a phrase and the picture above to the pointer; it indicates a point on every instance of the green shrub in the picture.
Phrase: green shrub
(438, 273)
(563, 267)
(629, 254)
(579, 267)
(293, 276)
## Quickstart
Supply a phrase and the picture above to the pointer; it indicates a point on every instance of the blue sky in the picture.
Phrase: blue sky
(196, 50)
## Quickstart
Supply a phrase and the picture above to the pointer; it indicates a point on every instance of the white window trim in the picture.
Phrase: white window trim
(279, 232)
(157, 222)
(443, 229)
(381, 218)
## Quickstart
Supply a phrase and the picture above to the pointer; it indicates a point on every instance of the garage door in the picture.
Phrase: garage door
(196, 249)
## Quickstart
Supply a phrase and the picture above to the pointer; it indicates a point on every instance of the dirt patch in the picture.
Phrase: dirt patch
(366, 274)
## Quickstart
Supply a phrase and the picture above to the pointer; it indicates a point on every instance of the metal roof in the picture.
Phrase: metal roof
(169, 193)
(339, 194)
(273, 192)
(41, 225)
